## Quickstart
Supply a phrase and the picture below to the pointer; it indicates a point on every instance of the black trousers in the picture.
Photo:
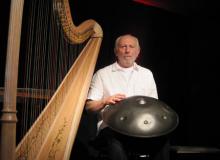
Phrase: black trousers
(122, 147)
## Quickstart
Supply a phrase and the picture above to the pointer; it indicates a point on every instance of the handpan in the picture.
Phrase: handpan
(141, 116)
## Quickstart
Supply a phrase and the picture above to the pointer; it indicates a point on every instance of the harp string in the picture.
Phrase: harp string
(64, 110)
(24, 109)
(37, 56)
(48, 57)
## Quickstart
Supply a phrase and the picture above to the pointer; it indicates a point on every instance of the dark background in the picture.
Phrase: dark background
(179, 44)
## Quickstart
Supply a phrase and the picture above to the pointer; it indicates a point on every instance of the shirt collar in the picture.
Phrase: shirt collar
(116, 67)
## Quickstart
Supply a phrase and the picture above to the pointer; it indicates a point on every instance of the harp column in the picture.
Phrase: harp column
(8, 117)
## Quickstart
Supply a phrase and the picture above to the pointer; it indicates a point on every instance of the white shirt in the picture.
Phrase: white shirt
(114, 79)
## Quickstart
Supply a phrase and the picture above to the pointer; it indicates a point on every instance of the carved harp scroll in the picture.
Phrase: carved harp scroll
(53, 133)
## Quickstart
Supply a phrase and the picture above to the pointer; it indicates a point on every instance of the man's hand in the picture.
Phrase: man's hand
(93, 105)
(114, 99)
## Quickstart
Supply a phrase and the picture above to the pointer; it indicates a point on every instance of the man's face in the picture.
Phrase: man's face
(127, 51)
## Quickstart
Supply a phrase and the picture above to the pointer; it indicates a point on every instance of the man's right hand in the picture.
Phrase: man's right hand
(93, 105)
(114, 99)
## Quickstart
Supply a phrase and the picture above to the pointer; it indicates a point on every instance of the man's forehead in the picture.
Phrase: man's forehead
(127, 40)
(127, 37)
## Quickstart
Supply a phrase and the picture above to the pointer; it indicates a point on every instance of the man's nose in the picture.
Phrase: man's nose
(127, 49)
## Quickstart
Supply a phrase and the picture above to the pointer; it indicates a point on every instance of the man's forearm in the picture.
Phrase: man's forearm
(92, 105)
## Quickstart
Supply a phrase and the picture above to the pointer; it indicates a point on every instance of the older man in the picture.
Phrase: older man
(115, 82)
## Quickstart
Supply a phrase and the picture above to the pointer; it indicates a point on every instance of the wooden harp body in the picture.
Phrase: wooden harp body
(53, 133)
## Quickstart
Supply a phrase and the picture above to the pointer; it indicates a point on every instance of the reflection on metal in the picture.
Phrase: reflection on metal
(195, 150)
(141, 116)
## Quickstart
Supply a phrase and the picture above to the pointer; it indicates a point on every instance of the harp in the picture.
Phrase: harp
(52, 134)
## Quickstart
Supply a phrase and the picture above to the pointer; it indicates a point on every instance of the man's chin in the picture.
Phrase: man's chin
(128, 64)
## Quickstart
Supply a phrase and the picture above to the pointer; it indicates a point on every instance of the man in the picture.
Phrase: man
(115, 82)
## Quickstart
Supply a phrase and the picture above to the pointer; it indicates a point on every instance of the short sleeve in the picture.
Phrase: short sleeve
(96, 87)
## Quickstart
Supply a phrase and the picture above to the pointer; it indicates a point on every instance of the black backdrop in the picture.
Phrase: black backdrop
(181, 48)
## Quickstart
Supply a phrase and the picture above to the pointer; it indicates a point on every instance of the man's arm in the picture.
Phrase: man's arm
(94, 106)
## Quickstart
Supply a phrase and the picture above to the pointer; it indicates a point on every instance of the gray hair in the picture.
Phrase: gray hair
(118, 39)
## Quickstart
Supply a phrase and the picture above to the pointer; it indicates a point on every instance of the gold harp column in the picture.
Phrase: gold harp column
(8, 117)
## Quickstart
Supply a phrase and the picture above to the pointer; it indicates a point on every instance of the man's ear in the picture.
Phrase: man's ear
(116, 55)
(138, 52)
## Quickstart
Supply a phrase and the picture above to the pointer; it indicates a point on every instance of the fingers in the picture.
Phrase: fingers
(116, 98)
(120, 96)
